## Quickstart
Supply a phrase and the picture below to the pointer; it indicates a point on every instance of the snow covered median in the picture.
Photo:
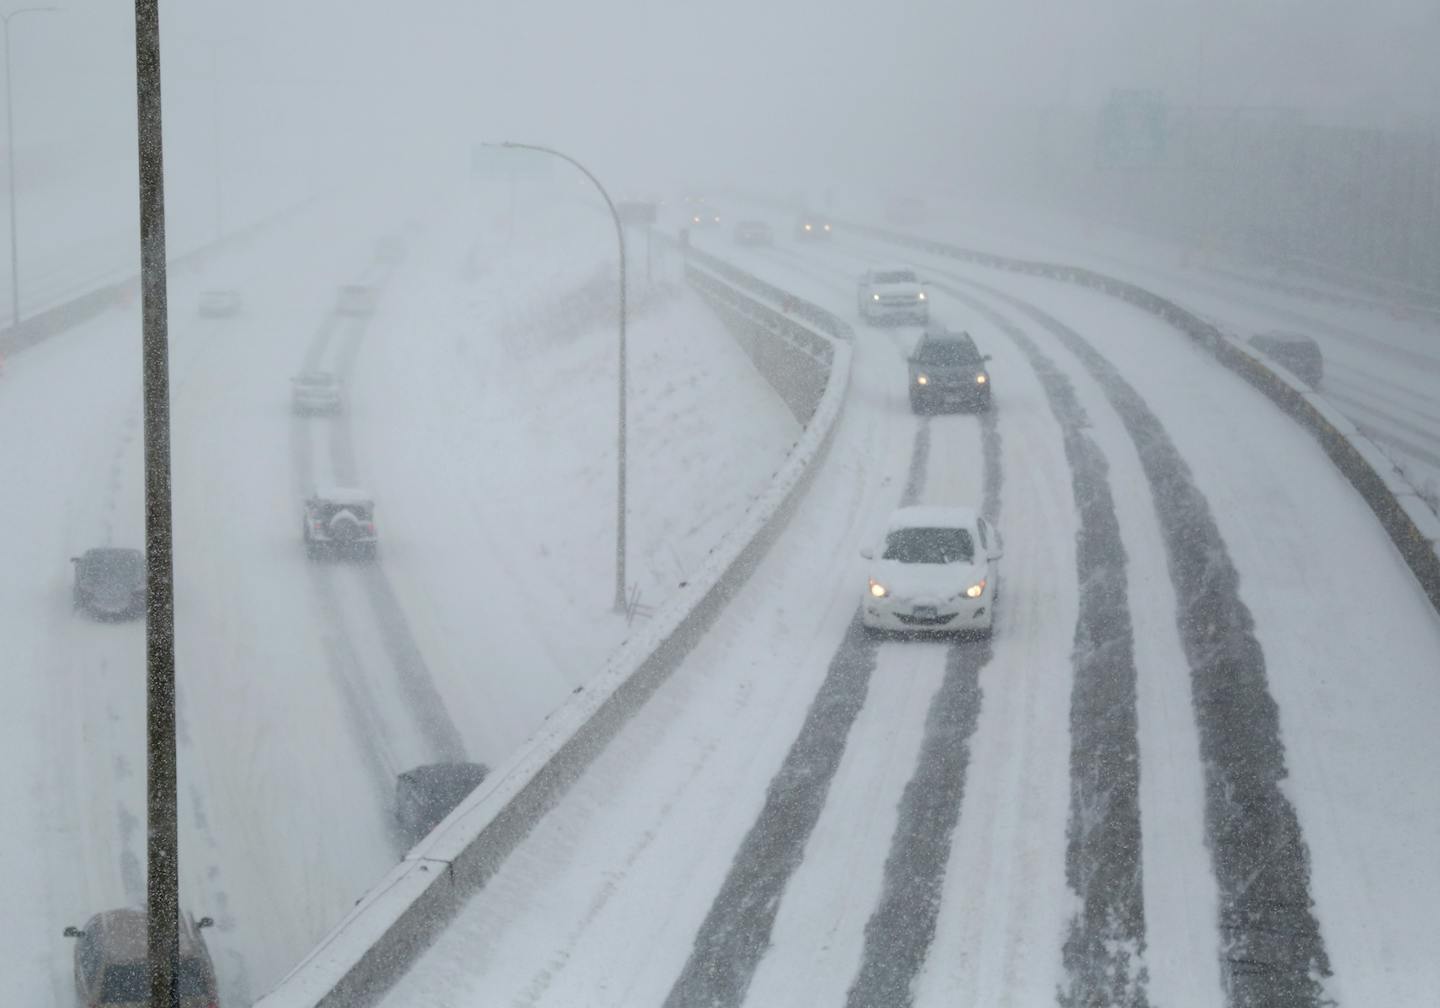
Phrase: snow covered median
(395, 921)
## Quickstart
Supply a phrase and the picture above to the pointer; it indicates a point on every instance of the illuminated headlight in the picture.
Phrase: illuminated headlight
(807, 227)
(921, 379)
(827, 227)
(877, 589)
(981, 378)
(695, 220)
(875, 297)
(920, 296)
(975, 590)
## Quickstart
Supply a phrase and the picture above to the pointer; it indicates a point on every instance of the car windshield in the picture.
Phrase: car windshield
(929, 546)
(947, 352)
(895, 277)
(125, 983)
(113, 565)
(194, 978)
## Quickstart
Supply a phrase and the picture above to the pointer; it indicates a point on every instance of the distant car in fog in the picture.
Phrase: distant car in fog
(812, 227)
(109, 582)
(935, 570)
(425, 795)
(339, 522)
(703, 217)
(315, 392)
(220, 303)
(947, 371)
(356, 299)
(112, 969)
(1295, 352)
(754, 232)
(894, 294)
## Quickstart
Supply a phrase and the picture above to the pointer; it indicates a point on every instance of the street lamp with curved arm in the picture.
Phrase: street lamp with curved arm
(620, 434)
(10, 155)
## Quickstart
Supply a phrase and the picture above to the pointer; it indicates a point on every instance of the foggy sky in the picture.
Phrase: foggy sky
(664, 88)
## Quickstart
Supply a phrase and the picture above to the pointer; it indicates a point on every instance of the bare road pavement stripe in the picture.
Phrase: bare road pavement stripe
(1272, 954)
(1104, 952)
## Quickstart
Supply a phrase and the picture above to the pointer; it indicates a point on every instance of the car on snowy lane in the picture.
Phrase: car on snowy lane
(948, 372)
(339, 522)
(315, 392)
(111, 968)
(935, 570)
(427, 794)
(110, 582)
(892, 295)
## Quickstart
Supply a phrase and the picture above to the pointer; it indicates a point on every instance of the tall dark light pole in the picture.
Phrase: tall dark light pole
(10, 154)
(162, 879)
(620, 432)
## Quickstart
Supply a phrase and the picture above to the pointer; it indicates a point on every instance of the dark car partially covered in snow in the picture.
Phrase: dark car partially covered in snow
(427, 794)
(339, 522)
(110, 582)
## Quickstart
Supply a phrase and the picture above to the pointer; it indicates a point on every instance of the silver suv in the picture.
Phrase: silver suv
(339, 521)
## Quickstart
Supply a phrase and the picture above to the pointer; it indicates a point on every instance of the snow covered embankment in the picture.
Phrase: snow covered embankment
(1404, 514)
(395, 921)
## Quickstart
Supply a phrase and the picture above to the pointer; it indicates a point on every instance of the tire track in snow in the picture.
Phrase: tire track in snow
(416, 682)
(901, 929)
(735, 933)
(1272, 954)
(1104, 952)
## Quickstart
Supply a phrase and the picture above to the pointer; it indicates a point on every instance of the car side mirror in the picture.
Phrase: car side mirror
(867, 553)
(985, 356)
(73, 932)
(74, 559)
(205, 922)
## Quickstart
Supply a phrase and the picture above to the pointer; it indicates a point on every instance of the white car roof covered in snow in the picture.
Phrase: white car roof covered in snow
(930, 517)
(343, 495)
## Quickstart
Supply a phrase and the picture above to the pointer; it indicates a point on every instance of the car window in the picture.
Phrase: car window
(895, 276)
(88, 956)
(984, 534)
(948, 351)
(125, 982)
(194, 980)
(929, 545)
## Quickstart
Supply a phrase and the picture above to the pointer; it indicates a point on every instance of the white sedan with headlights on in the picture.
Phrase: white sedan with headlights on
(892, 295)
(935, 571)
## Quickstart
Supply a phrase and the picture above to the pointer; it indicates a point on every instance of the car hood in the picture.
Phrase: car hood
(922, 582)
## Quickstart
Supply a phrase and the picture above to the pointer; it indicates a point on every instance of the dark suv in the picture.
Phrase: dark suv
(948, 372)
(427, 794)
(110, 582)
(339, 522)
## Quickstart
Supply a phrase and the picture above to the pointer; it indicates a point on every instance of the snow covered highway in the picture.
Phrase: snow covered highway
(1188, 769)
